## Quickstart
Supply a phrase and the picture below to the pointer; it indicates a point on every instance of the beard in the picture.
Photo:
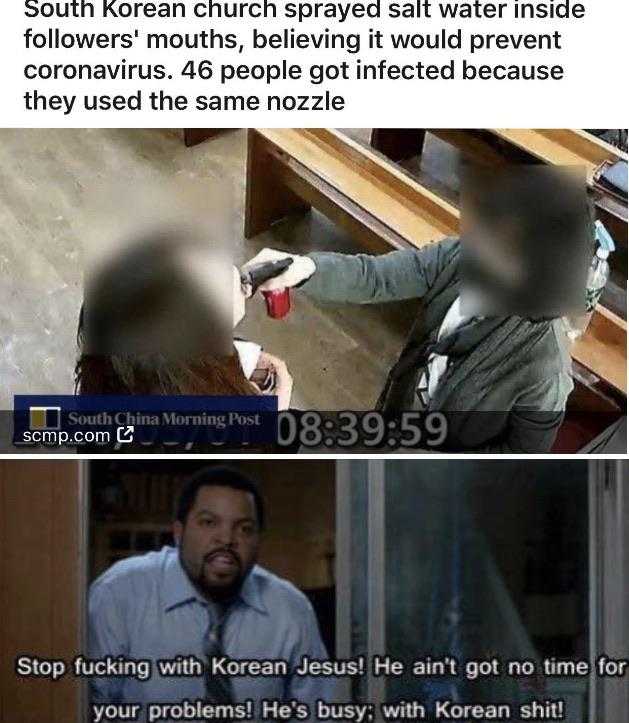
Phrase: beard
(207, 585)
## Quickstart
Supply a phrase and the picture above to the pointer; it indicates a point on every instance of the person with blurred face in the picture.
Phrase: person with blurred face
(206, 597)
(158, 318)
(489, 350)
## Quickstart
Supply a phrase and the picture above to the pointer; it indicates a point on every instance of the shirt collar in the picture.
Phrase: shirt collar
(178, 589)
(250, 592)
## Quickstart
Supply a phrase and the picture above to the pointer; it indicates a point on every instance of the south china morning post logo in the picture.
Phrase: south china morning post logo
(147, 420)
(44, 418)
(42, 421)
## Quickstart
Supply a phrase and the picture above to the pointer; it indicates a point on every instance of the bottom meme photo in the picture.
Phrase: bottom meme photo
(353, 590)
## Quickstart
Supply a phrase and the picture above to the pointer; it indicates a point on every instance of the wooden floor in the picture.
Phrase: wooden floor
(339, 356)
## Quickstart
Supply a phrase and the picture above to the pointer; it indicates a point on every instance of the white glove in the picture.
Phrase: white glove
(301, 269)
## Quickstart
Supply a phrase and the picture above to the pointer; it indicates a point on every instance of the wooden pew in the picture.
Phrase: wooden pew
(495, 146)
(563, 147)
(290, 170)
(194, 136)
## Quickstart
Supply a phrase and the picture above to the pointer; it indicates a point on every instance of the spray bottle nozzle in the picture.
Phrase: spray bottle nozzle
(254, 276)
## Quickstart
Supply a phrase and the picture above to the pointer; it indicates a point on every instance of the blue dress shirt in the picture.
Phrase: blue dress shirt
(145, 607)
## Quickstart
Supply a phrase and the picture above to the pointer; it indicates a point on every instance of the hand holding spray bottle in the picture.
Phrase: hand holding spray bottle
(277, 300)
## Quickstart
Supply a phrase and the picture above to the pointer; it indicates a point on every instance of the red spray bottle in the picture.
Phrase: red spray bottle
(277, 300)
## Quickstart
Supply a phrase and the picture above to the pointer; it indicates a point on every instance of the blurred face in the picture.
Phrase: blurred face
(218, 544)
(524, 241)
(217, 280)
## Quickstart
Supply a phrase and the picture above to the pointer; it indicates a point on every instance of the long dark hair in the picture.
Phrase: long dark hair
(144, 329)
(102, 374)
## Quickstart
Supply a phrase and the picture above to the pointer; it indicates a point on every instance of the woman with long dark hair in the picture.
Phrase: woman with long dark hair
(158, 319)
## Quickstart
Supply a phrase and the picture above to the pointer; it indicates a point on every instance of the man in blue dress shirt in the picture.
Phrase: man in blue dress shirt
(203, 598)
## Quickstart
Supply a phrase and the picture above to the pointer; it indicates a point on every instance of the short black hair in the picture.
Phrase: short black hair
(219, 476)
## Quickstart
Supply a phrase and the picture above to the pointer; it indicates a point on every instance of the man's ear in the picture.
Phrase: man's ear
(177, 532)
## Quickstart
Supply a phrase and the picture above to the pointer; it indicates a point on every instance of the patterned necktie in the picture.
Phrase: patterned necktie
(218, 689)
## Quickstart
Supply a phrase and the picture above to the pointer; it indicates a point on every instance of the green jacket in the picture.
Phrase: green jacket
(508, 378)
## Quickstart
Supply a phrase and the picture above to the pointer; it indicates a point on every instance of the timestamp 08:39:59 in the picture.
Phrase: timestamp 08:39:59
(361, 429)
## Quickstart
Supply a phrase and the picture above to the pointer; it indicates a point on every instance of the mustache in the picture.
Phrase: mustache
(223, 551)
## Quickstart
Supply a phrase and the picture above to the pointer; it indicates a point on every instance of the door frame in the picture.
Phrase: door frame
(83, 563)
(609, 584)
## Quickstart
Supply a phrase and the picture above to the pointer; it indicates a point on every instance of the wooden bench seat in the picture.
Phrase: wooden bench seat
(562, 147)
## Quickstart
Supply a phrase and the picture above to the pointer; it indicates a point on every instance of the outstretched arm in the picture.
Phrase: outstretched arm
(361, 278)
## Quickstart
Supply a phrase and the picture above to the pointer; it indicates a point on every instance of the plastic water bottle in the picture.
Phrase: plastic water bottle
(597, 278)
